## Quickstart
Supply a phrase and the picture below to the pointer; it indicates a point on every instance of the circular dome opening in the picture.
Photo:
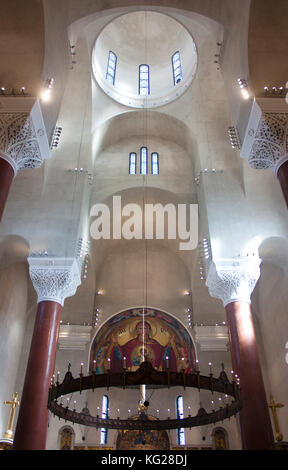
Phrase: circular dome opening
(144, 59)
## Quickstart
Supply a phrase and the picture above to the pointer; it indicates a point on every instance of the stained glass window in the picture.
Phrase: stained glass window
(177, 68)
(132, 163)
(155, 163)
(144, 161)
(111, 68)
(180, 415)
(104, 415)
(144, 80)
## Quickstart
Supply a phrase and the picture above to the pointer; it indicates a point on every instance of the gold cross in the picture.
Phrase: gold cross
(273, 406)
(14, 403)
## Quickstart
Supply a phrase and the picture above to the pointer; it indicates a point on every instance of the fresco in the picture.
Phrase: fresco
(138, 333)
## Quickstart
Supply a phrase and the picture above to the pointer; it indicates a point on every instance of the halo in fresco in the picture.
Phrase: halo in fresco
(166, 342)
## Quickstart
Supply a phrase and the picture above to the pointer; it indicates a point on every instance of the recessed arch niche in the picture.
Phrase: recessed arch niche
(122, 337)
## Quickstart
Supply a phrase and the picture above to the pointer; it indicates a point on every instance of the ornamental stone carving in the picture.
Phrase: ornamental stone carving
(54, 279)
(270, 143)
(23, 140)
(233, 280)
(266, 141)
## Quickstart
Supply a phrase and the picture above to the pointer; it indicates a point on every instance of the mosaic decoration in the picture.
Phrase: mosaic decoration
(166, 342)
(142, 440)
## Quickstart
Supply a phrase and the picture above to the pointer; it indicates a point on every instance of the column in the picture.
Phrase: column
(266, 140)
(54, 280)
(233, 282)
(23, 144)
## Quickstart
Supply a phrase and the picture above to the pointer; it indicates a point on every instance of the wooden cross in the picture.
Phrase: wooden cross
(273, 406)
(14, 403)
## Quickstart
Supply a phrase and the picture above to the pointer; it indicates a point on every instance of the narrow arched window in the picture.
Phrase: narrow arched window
(104, 415)
(111, 67)
(144, 80)
(144, 161)
(132, 163)
(177, 68)
(180, 415)
(155, 163)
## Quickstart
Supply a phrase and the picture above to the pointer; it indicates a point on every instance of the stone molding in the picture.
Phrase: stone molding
(212, 338)
(23, 139)
(54, 279)
(233, 280)
(265, 144)
(74, 337)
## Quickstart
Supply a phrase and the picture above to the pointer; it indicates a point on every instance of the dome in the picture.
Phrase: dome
(154, 41)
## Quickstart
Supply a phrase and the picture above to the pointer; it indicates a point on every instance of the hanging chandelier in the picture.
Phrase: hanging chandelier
(145, 375)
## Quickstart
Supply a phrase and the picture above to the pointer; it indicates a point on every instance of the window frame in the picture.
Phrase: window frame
(141, 160)
(108, 74)
(180, 415)
(155, 163)
(132, 164)
(175, 68)
(104, 415)
(146, 80)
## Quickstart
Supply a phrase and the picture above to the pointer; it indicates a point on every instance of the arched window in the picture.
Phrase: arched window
(111, 68)
(180, 415)
(144, 80)
(155, 163)
(144, 161)
(104, 415)
(132, 163)
(177, 69)
(66, 438)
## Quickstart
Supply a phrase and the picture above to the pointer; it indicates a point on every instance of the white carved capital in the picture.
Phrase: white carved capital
(233, 280)
(54, 279)
(23, 139)
(265, 144)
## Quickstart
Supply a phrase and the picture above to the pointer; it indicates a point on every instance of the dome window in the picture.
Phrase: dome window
(177, 69)
(111, 68)
(144, 80)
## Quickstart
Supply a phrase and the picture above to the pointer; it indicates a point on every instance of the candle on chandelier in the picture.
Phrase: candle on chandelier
(210, 365)
(157, 413)
(124, 362)
(189, 410)
(167, 362)
(129, 411)
(197, 365)
(109, 363)
(168, 412)
(81, 370)
(58, 376)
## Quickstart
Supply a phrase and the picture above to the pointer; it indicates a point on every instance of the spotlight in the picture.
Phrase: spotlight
(244, 88)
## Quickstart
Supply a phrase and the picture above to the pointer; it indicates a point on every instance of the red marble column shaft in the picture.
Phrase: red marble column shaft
(6, 178)
(256, 429)
(31, 429)
(282, 175)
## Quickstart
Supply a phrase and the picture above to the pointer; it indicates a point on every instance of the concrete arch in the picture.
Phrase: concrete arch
(138, 123)
(13, 249)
